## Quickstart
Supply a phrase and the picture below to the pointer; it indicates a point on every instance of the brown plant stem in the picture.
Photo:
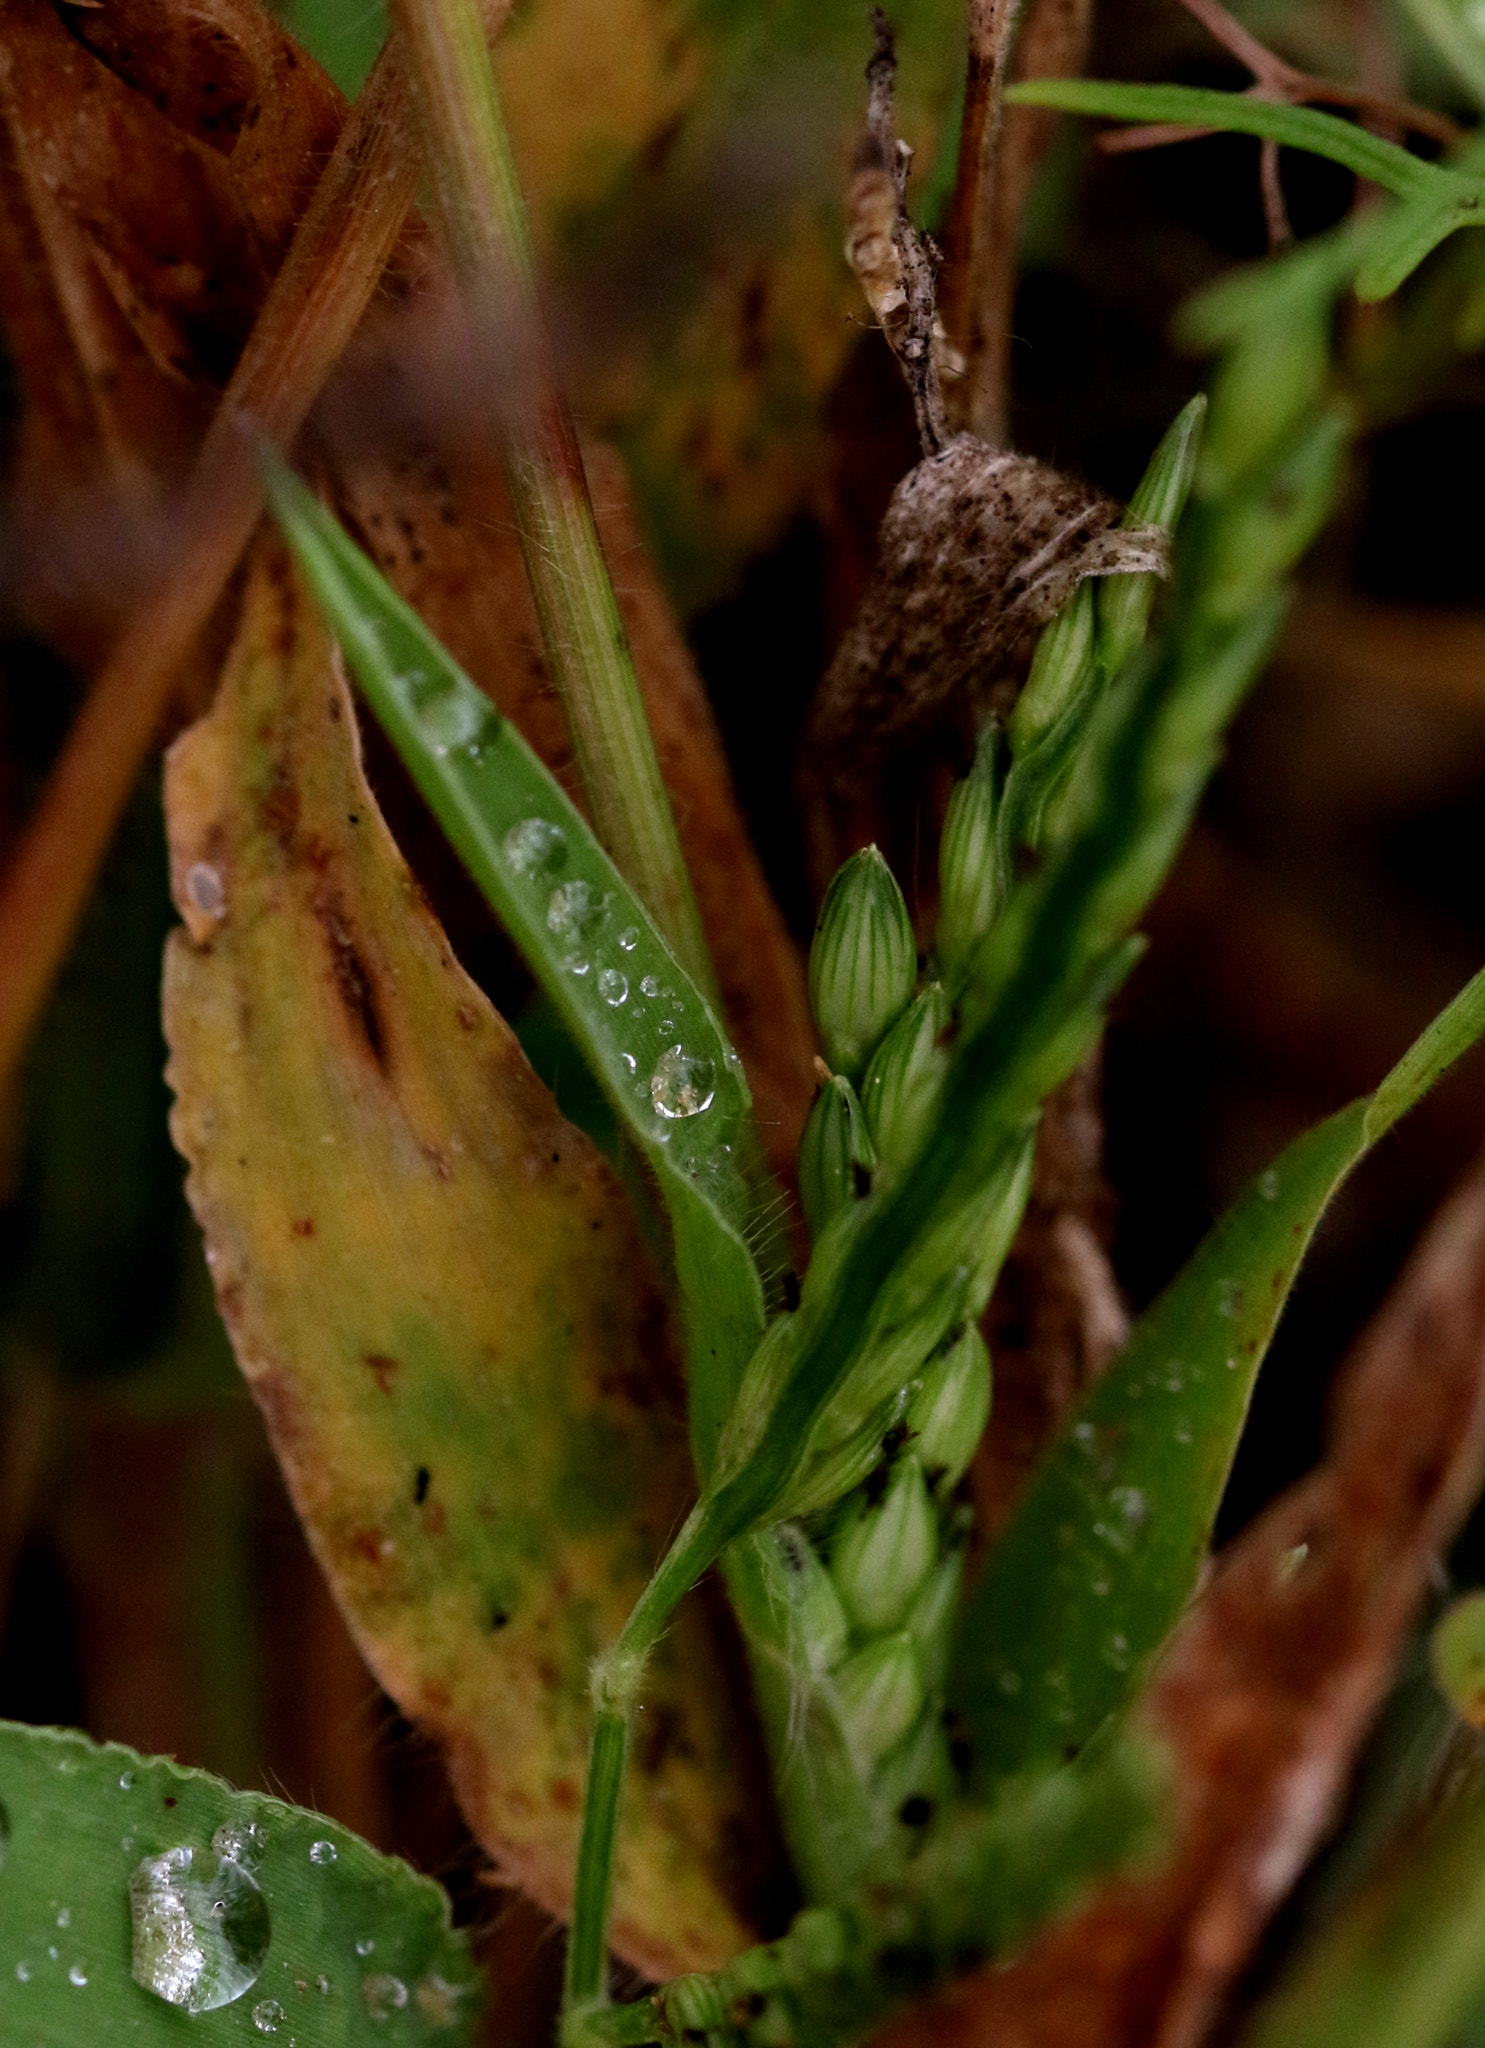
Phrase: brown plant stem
(333, 266)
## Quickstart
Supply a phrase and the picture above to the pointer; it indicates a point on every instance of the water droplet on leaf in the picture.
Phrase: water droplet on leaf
(629, 938)
(126, 1781)
(78, 1975)
(613, 987)
(383, 1995)
(64, 1917)
(184, 1951)
(268, 2015)
(365, 1946)
(238, 1841)
(682, 1084)
(535, 846)
(649, 986)
(23, 1973)
(322, 1852)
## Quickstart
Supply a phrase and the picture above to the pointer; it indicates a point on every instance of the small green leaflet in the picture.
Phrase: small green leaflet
(321, 1939)
(645, 1030)
(1436, 198)
(1104, 1551)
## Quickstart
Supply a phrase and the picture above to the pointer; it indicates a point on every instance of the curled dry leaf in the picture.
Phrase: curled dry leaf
(440, 529)
(153, 163)
(1269, 1685)
(438, 1297)
(977, 548)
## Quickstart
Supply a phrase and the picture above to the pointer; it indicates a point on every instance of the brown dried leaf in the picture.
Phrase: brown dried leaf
(1270, 1685)
(440, 1300)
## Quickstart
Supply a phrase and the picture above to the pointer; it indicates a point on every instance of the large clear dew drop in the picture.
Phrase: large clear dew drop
(448, 715)
(200, 1928)
(682, 1084)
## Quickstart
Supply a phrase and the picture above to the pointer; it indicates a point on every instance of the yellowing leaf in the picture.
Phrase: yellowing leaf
(439, 1299)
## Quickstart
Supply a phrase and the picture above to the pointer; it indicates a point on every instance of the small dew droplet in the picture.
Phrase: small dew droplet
(126, 1781)
(629, 938)
(630, 1062)
(77, 1975)
(682, 1084)
(613, 987)
(535, 846)
(649, 986)
(322, 1852)
(204, 887)
(268, 2015)
(23, 1973)
(365, 1946)
(383, 1995)
(64, 1917)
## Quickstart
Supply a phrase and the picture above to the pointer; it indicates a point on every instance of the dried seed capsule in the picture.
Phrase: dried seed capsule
(863, 962)
(836, 1155)
(906, 1077)
(949, 1412)
(879, 1694)
(1060, 670)
(971, 885)
(1124, 601)
(886, 1550)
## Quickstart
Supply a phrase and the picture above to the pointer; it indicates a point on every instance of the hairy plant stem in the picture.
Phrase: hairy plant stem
(335, 261)
(483, 221)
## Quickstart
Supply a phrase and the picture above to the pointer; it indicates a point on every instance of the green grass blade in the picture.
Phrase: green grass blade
(1104, 1551)
(644, 1028)
(1405, 1966)
(1197, 106)
(345, 1940)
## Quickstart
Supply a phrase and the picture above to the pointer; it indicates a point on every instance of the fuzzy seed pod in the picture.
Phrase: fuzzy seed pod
(863, 961)
(879, 1695)
(906, 1077)
(950, 1410)
(836, 1155)
(886, 1551)
(817, 1621)
(971, 886)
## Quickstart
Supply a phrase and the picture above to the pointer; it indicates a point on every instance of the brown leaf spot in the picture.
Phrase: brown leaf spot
(385, 1369)
(302, 1226)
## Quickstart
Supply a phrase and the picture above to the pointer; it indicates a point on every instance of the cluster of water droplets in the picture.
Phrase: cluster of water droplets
(679, 1084)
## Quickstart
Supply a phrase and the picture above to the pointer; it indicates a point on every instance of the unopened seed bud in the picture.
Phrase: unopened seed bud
(818, 1630)
(1124, 602)
(930, 1620)
(906, 1077)
(914, 1779)
(1458, 1651)
(971, 886)
(818, 1944)
(863, 962)
(1060, 670)
(694, 2004)
(950, 1410)
(879, 1695)
(886, 1550)
(836, 1155)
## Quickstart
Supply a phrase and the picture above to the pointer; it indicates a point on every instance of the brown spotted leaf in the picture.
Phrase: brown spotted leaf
(1269, 1686)
(438, 1297)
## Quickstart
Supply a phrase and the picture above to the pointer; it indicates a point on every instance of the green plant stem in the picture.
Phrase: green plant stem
(479, 204)
(585, 1981)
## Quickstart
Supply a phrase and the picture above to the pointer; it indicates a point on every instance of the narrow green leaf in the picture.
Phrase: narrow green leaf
(645, 1029)
(1297, 127)
(1104, 1551)
(1405, 1966)
(323, 1941)
(1413, 231)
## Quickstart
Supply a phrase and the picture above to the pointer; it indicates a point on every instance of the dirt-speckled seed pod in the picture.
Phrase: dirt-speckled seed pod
(950, 1410)
(879, 1695)
(971, 886)
(906, 1076)
(836, 1155)
(886, 1550)
(863, 961)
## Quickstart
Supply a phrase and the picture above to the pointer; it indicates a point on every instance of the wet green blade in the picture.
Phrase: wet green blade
(1297, 127)
(644, 1028)
(1104, 1551)
(351, 1947)
(1405, 1966)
